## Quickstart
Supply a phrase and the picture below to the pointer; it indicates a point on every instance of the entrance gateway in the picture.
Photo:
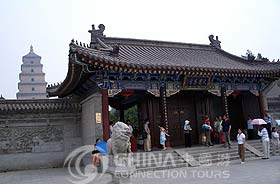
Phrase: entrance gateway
(169, 82)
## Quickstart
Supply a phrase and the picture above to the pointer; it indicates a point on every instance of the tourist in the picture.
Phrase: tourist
(268, 120)
(265, 142)
(97, 141)
(133, 140)
(241, 145)
(130, 126)
(187, 133)
(208, 129)
(250, 128)
(275, 142)
(163, 135)
(217, 128)
(226, 131)
(147, 136)
(96, 162)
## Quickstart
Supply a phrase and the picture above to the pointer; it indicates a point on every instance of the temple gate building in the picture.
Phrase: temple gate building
(32, 83)
(167, 81)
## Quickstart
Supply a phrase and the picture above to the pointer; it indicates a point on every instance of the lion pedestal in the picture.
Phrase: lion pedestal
(121, 174)
(120, 158)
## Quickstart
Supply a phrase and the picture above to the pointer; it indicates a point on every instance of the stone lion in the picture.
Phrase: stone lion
(119, 143)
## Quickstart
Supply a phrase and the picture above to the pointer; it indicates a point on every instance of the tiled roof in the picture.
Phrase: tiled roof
(56, 105)
(160, 57)
(145, 54)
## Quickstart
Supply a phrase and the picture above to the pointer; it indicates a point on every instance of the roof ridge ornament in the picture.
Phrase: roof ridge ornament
(31, 49)
(97, 40)
(1, 97)
(215, 43)
(96, 35)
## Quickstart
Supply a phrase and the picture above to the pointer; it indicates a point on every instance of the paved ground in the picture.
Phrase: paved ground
(253, 171)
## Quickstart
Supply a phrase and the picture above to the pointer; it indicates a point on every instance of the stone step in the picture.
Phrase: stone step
(140, 154)
(152, 155)
(277, 99)
(218, 152)
(157, 161)
(161, 167)
(203, 148)
(183, 164)
(150, 159)
(236, 157)
(196, 157)
(159, 164)
(273, 105)
(206, 155)
(211, 150)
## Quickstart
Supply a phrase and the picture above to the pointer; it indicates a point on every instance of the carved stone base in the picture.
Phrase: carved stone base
(121, 174)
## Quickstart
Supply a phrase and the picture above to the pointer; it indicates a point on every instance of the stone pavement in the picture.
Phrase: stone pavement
(253, 171)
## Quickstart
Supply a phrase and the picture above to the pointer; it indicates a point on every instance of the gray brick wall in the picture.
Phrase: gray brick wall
(40, 138)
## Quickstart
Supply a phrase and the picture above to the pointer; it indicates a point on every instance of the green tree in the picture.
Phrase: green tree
(114, 115)
(131, 114)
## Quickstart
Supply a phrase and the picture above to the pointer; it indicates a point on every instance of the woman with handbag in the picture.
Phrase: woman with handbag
(147, 136)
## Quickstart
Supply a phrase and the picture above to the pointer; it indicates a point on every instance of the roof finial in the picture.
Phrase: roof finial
(1, 97)
(216, 43)
(96, 34)
(31, 48)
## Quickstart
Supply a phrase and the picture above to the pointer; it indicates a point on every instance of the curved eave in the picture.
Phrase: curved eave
(71, 81)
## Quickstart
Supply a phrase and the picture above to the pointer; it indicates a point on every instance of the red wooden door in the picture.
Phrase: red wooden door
(180, 108)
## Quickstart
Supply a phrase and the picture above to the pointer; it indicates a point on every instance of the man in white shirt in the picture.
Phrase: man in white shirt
(265, 142)
(241, 145)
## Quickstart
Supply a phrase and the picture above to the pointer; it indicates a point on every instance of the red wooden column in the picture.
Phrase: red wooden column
(224, 101)
(262, 103)
(163, 107)
(105, 114)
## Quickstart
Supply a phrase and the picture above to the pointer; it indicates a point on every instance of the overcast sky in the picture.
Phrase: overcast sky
(49, 25)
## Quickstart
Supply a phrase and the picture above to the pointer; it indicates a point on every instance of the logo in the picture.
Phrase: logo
(80, 166)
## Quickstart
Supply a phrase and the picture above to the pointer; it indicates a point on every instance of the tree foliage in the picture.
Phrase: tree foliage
(131, 114)
(251, 57)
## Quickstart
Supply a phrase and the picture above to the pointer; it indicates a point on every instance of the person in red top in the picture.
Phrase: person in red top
(96, 162)
(208, 131)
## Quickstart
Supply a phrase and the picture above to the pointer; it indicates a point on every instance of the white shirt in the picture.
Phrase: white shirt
(146, 127)
(264, 134)
(275, 136)
(240, 138)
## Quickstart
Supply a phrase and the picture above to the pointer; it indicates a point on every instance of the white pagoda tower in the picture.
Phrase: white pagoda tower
(32, 83)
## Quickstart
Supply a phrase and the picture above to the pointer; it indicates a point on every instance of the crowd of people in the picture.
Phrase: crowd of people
(220, 130)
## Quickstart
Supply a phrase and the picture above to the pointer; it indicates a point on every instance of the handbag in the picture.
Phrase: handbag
(203, 139)
(223, 138)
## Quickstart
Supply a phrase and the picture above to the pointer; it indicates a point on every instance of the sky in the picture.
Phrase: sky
(49, 25)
